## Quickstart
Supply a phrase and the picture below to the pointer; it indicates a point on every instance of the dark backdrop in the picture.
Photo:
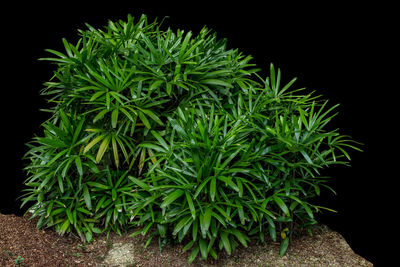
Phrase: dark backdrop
(338, 50)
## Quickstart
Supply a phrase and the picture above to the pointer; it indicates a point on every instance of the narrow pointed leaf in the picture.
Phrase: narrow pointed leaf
(284, 246)
(191, 205)
(102, 149)
(171, 198)
(78, 164)
(87, 198)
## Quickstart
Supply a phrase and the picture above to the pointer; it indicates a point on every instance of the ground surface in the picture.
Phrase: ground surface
(19, 237)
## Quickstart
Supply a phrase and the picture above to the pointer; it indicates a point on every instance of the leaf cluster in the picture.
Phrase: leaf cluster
(178, 135)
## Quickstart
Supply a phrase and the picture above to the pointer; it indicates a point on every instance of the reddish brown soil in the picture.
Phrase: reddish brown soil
(19, 237)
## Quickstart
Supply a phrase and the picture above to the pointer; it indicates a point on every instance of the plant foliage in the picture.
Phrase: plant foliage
(177, 134)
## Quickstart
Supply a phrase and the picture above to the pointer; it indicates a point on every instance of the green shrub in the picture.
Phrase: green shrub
(177, 134)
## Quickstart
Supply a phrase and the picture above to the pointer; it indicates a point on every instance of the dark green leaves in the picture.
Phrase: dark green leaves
(193, 254)
(171, 198)
(78, 163)
(87, 198)
(226, 243)
(283, 247)
(213, 188)
(191, 205)
(216, 82)
(205, 220)
(281, 205)
(170, 133)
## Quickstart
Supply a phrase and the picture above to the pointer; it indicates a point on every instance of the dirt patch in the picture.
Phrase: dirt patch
(20, 238)
(121, 254)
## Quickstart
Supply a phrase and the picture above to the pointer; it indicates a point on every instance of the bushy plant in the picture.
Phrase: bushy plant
(178, 135)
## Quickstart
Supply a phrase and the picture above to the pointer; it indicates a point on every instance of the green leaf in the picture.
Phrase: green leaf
(162, 229)
(308, 210)
(64, 227)
(281, 205)
(152, 116)
(65, 120)
(88, 236)
(114, 118)
(66, 167)
(69, 215)
(115, 151)
(102, 149)
(93, 142)
(188, 246)
(240, 212)
(228, 181)
(96, 230)
(205, 221)
(193, 254)
(195, 229)
(191, 205)
(78, 130)
(144, 120)
(100, 115)
(127, 114)
(67, 47)
(213, 253)
(114, 194)
(155, 84)
(184, 45)
(87, 198)
(229, 159)
(287, 85)
(219, 218)
(217, 82)
(96, 95)
(225, 242)
(140, 183)
(272, 76)
(78, 164)
(203, 248)
(272, 232)
(57, 157)
(60, 183)
(51, 142)
(201, 186)
(61, 55)
(84, 211)
(240, 236)
(305, 155)
(213, 188)
(98, 185)
(171, 198)
(160, 139)
(169, 89)
(152, 146)
(181, 224)
(122, 146)
(284, 246)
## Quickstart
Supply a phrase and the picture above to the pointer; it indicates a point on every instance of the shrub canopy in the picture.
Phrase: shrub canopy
(177, 134)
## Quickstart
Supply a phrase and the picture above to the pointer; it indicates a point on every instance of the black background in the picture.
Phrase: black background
(341, 51)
